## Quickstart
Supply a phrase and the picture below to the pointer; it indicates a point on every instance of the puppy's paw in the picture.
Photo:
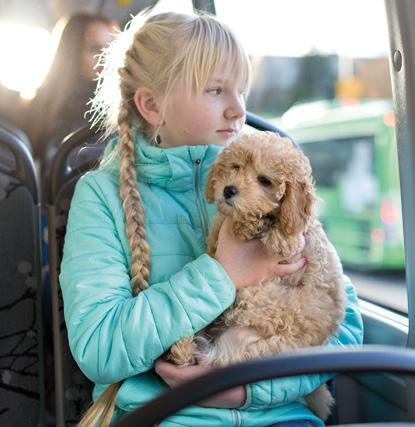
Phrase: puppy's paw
(321, 402)
(182, 353)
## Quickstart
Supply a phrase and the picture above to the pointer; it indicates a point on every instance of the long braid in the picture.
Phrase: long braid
(101, 412)
(166, 48)
(132, 205)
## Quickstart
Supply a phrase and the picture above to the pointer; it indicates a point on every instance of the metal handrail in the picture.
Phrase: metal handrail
(317, 360)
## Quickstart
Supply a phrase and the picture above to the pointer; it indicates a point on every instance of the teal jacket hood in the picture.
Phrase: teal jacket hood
(115, 336)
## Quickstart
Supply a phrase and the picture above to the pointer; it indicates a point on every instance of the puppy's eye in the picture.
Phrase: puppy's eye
(235, 167)
(264, 181)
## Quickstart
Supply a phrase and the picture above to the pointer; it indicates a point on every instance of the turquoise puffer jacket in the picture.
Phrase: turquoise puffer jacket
(115, 336)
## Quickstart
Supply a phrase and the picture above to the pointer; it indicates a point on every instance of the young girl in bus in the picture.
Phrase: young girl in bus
(135, 276)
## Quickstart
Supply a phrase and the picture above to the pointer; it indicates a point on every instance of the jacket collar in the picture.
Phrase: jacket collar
(172, 168)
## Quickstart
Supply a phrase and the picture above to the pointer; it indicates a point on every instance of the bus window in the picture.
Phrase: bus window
(181, 6)
(353, 153)
(356, 180)
(343, 161)
(333, 95)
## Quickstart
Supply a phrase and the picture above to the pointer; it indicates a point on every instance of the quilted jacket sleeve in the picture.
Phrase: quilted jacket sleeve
(112, 334)
(275, 392)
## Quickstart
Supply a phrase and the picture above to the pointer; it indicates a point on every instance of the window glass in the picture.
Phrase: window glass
(321, 73)
(342, 162)
(181, 6)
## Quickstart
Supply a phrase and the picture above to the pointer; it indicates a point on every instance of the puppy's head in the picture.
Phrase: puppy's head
(261, 178)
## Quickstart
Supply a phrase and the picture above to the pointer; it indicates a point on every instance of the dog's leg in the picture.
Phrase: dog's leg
(320, 401)
(279, 244)
(182, 353)
(229, 348)
(213, 236)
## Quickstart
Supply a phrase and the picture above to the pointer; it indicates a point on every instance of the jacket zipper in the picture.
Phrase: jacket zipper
(236, 418)
(199, 199)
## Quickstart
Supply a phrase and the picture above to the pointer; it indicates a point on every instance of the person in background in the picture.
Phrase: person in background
(60, 104)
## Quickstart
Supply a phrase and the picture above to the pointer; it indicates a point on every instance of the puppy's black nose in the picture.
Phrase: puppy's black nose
(229, 191)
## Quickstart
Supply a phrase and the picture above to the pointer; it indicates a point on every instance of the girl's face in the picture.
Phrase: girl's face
(214, 116)
(97, 36)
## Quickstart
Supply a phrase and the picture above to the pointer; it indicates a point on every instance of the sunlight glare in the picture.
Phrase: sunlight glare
(26, 55)
(178, 6)
(354, 28)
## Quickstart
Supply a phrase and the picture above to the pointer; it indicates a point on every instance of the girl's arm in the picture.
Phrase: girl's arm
(278, 391)
(112, 334)
(175, 376)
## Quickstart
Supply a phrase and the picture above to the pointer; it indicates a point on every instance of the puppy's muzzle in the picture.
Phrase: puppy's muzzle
(229, 191)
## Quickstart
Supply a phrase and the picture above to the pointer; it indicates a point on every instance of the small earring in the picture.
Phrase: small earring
(157, 139)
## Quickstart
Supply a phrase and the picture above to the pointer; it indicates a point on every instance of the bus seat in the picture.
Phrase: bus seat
(259, 123)
(17, 132)
(78, 153)
(21, 331)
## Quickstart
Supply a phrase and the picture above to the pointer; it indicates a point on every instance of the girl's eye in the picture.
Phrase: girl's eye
(264, 181)
(216, 90)
(235, 167)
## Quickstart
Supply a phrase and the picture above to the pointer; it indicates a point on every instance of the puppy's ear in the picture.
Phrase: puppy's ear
(210, 183)
(297, 207)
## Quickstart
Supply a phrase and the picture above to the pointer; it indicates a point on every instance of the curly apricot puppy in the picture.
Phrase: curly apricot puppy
(264, 184)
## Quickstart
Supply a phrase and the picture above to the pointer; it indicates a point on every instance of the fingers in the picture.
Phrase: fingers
(227, 222)
(287, 269)
(163, 368)
(226, 228)
(166, 369)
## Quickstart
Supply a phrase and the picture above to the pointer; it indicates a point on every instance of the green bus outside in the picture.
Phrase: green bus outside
(353, 153)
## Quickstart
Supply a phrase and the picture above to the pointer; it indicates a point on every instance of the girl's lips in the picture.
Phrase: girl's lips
(227, 132)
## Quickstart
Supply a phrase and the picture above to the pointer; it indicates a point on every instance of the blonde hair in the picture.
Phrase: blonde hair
(167, 49)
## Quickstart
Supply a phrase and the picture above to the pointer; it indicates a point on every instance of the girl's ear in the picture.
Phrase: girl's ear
(148, 106)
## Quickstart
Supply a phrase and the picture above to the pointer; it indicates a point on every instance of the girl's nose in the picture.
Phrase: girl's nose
(236, 108)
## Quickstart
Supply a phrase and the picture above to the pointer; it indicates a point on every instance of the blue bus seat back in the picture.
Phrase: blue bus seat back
(79, 152)
(21, 331)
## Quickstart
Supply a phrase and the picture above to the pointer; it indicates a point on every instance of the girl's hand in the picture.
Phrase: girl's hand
(249, 263)
(174, 376)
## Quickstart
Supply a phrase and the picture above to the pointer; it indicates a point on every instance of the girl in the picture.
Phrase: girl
(134, 276)
(60, 104)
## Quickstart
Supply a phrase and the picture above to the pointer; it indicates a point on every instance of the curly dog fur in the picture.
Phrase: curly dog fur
(264, 184)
